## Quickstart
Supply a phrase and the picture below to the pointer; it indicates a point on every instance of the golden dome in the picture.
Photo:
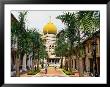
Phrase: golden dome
(50, 28)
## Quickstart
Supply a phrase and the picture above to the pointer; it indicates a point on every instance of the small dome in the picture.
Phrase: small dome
(50, 28)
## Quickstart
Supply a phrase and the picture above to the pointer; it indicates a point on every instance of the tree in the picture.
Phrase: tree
(61, 46)
(42, 52)
(17, 35)
(69, 21)
(79, 25)
(28, 41)
(38, 47)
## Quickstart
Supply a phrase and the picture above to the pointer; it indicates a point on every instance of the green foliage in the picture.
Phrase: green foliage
(69, 20)
(79, 25)
(61, 45)
(33, 72)
(28, 40)
(42, 52)
(89, 21)
(67, 72)
(83, 20)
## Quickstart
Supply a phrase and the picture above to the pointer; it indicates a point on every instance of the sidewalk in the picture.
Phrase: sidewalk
(51, 72)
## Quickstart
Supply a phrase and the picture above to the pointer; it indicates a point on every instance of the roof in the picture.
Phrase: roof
(50, 28)
(97, 34)
(13, 18)
(60, 32)
(83, 41)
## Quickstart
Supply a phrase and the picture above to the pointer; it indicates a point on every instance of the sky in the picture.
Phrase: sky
(37, 19)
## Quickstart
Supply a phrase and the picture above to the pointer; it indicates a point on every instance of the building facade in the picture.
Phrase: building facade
(88, 56)
(86, 59)
(49, 37)
(85, 62)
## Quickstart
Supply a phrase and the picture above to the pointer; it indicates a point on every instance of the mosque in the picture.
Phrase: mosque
(49, 37)
(49, 34)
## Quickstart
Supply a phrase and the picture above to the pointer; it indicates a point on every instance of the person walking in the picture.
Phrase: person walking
(55, 66)
(42, 64)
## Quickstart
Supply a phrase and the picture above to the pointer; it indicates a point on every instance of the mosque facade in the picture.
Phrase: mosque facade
(49, 37)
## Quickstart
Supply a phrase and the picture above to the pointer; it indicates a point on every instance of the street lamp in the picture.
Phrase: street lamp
(94, 56)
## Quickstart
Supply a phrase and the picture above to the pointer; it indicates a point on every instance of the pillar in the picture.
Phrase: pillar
(63, 61)
(60, 60)
(73, 64)
(51, 61)
(81, 66)
(87, 64)
(54, 61)
(24, 63)
(77, 63)
(29, 62)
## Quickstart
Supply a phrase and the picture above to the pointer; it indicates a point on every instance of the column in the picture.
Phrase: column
(60, 60)
(28, 62)
(31, 62)
(63, 61)
(77, 63)
(73, 64)
(51, 61)
(24, 63)
(81, 66)
(87, 65)
(54, 61)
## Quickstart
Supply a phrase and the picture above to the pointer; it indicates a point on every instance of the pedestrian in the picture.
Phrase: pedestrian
(46, 66)
(35, 67)
(42, 64)
(55, 66)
